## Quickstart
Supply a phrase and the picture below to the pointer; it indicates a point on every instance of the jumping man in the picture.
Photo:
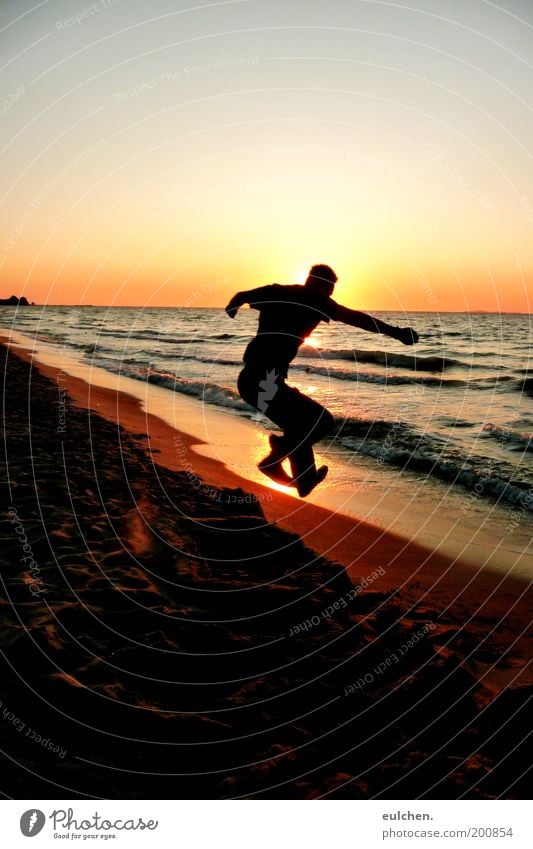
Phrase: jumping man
(287, 316)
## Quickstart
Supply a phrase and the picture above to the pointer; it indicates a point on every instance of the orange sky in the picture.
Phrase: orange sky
(163, 157)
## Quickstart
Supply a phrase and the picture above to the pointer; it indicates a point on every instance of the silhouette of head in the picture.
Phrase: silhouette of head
(321, 279)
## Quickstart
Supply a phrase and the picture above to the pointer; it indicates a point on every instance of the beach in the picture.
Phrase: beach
(432, 444)
(172, 629)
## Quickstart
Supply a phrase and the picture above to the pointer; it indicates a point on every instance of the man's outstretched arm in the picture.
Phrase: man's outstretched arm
(368, 322)
(248, 297)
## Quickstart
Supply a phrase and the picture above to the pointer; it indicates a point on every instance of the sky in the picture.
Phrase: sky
(172, 153)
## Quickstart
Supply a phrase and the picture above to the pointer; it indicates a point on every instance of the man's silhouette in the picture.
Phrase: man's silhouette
(287, 316)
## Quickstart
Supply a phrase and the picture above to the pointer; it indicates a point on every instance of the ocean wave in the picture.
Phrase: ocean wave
(209, 393)
(410, 361)
(93, 349)
(386, 379)
(164, 337)
(375, 429)
(453, 421)
(526, 385)
(515, 440)
(102, 354)
(380, 378)
(396, 444)
(443, 333)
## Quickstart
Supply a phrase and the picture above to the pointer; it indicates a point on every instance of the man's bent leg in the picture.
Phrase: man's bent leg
(291, 410)
(251, 383)
(303, 421)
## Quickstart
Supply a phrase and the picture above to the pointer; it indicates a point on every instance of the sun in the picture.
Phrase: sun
(302, 274)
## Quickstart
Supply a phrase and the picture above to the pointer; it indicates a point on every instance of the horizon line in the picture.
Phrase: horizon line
(180, 307)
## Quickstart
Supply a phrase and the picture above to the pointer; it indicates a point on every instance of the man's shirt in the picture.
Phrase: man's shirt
(287, 316)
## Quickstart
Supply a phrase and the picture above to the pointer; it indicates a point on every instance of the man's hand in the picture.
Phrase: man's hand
(407, 336)
(232, 311)
(236, 302)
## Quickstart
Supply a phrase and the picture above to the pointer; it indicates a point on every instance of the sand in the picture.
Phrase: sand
(177, 631)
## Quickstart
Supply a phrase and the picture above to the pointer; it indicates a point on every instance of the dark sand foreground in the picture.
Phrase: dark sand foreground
(163, 639)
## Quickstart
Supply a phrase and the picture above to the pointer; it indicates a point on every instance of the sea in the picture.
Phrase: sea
(457, 408)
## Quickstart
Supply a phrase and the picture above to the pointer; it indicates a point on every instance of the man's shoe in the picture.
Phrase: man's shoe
(272, 468)
(307, 483)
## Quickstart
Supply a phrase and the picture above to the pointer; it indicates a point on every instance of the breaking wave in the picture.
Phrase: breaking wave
(385, 358)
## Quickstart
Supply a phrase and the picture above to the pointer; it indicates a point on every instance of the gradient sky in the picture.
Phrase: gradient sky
(170, 153)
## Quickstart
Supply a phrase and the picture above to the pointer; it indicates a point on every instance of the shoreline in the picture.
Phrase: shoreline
(359, 546)
(177, 641)
(454, 522)
(449, 520)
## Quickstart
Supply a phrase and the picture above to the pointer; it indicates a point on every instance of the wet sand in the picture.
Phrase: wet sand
(177, 631)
